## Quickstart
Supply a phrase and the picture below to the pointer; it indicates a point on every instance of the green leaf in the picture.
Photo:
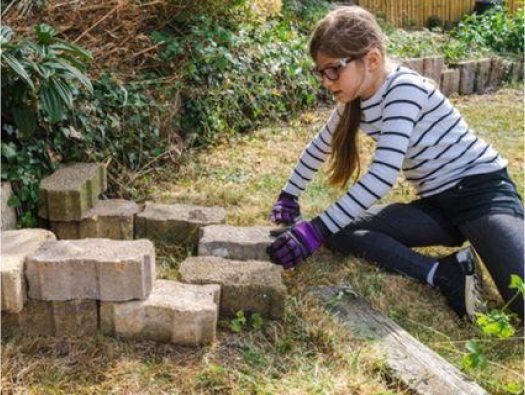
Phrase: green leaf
(25, 119)
(8, 151)
(6, 33)
(14, 201)
(64, 91)
(18, 68)
(45, 33)
(82, 78)
(51, 103)
(516, 282)
(72, 49)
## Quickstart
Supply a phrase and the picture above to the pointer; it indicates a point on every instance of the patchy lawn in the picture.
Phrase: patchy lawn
(307, 352)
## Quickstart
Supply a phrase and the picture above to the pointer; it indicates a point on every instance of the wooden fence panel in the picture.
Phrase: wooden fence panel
(417, 12)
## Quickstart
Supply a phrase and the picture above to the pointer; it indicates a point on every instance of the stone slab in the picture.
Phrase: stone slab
(112, 219)
(450, 82)
(8, 213)
(250, 286)
(467, 79)
(184, 314)
(482, 75)
(416, 64)
(422, 370)
(497, 72)
(432, 68)
(102, 269)
(516, 71)
(16, 246)
(53, 318)
(70, 191)
(233, 242)
(178, 223)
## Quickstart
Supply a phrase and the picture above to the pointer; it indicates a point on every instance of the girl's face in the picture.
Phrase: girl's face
(359, 78)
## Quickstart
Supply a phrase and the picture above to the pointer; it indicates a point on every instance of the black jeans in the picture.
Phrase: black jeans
(483, 209)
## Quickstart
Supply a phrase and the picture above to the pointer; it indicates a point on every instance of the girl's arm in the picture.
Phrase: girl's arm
(313, 156)
(401, 109)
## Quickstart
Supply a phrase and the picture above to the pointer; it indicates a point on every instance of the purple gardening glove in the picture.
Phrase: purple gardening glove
(295, 244)
(286, 210)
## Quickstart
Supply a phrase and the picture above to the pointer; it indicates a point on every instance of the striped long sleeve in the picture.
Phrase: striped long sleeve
(401, 107)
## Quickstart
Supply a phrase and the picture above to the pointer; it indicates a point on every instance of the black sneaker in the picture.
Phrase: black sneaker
(458, 277)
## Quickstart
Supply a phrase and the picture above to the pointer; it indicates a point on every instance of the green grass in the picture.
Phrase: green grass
(307, 352)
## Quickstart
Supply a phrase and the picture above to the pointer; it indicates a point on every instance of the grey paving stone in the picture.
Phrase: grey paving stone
(450, 82)
(102, 269)
(8, 213)
(174, 312)
(112, 219)
(250, 286)
(235, 242)
(16, 246)
(177, 223)
(69, 192)
(53, 318)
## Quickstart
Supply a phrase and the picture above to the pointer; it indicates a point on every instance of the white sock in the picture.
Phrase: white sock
(430, 275)
(462, 255)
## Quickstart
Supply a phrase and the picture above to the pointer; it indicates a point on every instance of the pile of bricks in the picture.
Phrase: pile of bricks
(466, 77)
(100, 273)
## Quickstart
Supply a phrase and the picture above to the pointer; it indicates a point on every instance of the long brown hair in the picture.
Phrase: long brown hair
(346, 32)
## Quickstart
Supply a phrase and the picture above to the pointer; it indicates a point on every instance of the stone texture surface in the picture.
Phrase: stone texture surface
(432, 68)
(467, 79)
(482, 75)
(174, 312)
(497, 72)
(177, 223)
(16, 246)
(516, 71)
(415, 64)
(233, 242)
(68, 193)
(112, 219)
(8, 213)
(53, 318)
(101, 269)
(450, 82)
(251, 286)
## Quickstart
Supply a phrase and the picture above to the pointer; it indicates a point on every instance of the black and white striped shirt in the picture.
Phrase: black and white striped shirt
(417, 130)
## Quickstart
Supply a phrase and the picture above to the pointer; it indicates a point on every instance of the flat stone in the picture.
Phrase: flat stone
(53, 318)
(432, 68)
(482, 75)
(415, 64)
(178, 223)
(174, 312)
(16, 246)
(112, 219)
(497, 72)
(235, 242)
(467, 76)
(69, 192)
(8, 213)
(250, 286)
(450, 82)
(102, 269)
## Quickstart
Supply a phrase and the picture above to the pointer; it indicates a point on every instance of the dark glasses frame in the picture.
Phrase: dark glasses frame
(332, 72)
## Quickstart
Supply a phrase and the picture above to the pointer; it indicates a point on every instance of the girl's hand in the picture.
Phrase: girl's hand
(295, 244)
(286, 210)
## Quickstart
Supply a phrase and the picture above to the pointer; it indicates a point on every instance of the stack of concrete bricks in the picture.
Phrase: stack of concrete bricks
(467, 77)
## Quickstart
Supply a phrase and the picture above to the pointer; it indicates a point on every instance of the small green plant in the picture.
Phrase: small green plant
(257, 321)
(239, 322)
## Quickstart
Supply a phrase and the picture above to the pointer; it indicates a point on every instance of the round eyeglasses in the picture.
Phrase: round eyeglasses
(332, 72)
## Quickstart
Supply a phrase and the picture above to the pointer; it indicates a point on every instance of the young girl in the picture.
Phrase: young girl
(465, 191)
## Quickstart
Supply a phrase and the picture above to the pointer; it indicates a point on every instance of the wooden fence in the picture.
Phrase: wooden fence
(417, 12)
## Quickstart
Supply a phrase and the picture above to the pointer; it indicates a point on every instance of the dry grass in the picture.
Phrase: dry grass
(308, 352)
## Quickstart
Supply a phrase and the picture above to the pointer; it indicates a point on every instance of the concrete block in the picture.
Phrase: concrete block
(415, 64)
(234, 242)
(250, 286)
(112, 219)
(174, 312)
(68, 193)
(8, 213)
(450, 82)
(482, 75)
(53, 318)
(467, 76)
(179, 223)
(16, 246)
(102, 269)
(497, 72)
(432, 68)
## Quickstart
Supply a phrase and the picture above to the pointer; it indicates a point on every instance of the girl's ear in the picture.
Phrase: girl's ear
(374, 59)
